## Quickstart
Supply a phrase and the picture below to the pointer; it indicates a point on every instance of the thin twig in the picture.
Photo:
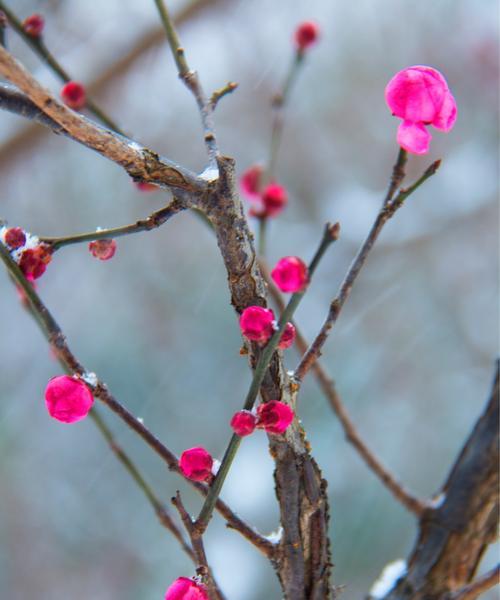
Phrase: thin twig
(203, 569)
(162, 513)
(386, 212)
(57, 340)
(221, 92)
(38, 45)
(191, 80)
(327, 385)
(154, 220)
(330, 235)
(479, 586)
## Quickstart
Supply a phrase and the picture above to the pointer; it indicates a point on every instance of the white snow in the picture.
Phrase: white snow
(90, 378)
(388, 579)
(275, 536)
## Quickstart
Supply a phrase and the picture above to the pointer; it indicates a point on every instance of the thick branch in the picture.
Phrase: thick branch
(139, 162)
(454, 534)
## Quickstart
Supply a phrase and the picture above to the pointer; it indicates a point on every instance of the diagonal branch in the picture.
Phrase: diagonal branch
(479, 586)
(139, 162)
(57, 340)
(387, 211)
(327, 385)
(455, 532)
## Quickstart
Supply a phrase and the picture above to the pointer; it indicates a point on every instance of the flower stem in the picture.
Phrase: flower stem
(330, 235)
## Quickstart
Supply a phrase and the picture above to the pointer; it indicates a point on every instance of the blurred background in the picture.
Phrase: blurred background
(413, 351)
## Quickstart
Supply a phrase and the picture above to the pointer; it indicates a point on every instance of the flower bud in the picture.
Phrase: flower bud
(68, 399)
(186, 589)
(243, 423)
(103, 249)
(144, 186)
(306, 35)
(274, 416)
(196, 464)
(290, 274)
(274, 200)
(34, 261)
(257, 324)
(73, 95)
(33, 25)
(287, 337)
(250, 182)
(15, 238)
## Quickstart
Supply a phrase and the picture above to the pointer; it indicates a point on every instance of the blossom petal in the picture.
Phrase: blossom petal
(446, 117)
(414, 137)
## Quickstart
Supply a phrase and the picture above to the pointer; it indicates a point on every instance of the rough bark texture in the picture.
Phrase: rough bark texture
(302, 560)
(454, 535)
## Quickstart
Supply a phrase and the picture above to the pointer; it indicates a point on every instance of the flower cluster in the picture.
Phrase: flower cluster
(420, 96)
(73, 95)
(267, 202)
(258, 324)
(30, 254)
(274, 417)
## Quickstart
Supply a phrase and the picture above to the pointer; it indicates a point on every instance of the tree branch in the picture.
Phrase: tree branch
(387, 211)
(476, 588)
(455, 532)
(196, 538)
(154, 220)
(57, 340)
(191, 80)
(327, 385)
(139, 162)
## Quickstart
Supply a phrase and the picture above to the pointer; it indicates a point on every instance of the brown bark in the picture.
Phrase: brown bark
(454, 535)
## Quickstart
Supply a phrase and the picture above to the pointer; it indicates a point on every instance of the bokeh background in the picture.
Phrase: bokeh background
(413, 351)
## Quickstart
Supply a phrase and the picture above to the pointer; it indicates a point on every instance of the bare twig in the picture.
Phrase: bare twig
(139, 162)
(479, 586)
(191, 80)
(330, 235)
(327, 385)
(386, 212)
(220, 93)
(203, 569)
(162, 513)
(57, 340)
(38, 45)
(154, 220)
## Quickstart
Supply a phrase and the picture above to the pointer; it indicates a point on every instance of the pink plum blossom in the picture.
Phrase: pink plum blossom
(186, 589)
(68, 399)
(420, 96)
(274, 416)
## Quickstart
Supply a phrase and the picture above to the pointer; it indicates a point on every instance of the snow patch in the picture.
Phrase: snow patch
(388, 579)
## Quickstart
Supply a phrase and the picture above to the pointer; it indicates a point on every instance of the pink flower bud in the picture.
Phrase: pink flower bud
(274, 200)
(144, 186)
(68, 399)
(306, 35)
(257, 324)
(73, 95)
(288, 337)
(34, 261)
(243, 423)
(420, 96)
(290, 274)
(196, 464)
(15, 238)
(186, 589)
(274, 416)
(103, 249)
(250, 182)
(33, 25)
